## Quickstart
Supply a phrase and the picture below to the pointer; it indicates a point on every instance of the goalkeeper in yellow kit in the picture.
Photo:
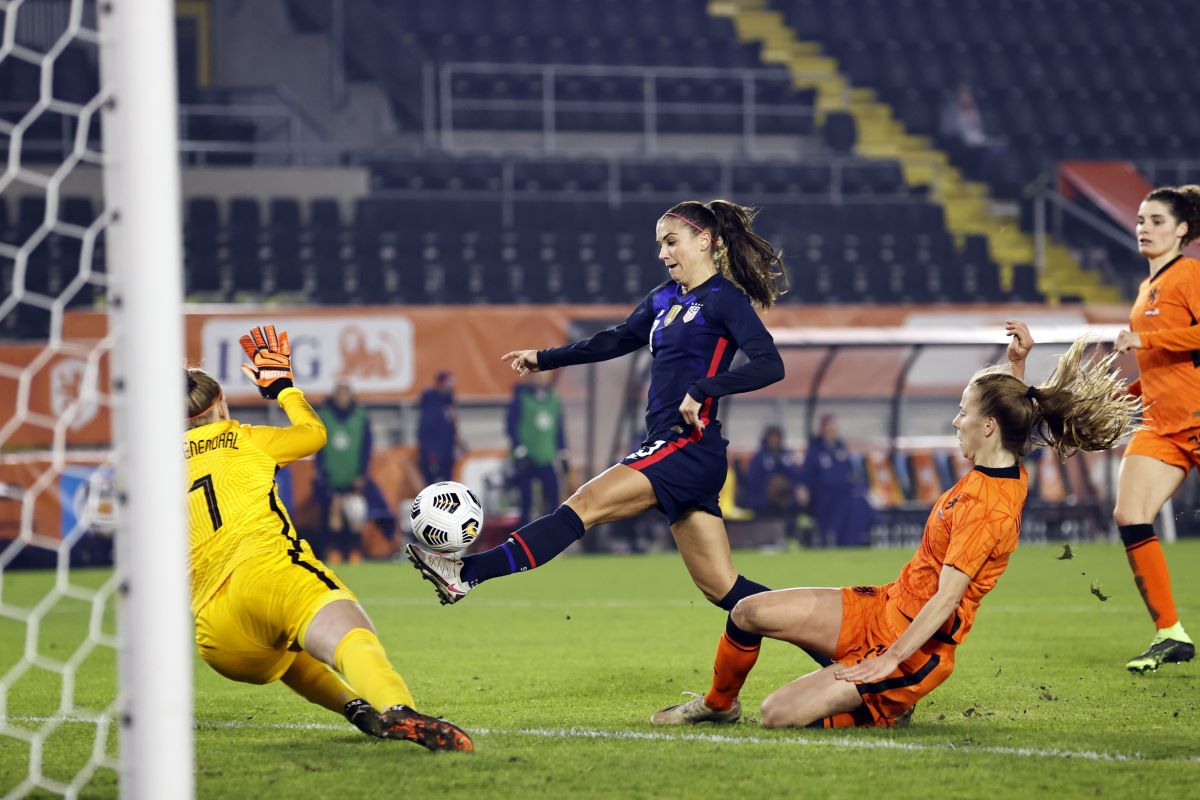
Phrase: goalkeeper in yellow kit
(266, 608)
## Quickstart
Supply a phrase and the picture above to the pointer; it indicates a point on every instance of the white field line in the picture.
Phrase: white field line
(815, 739)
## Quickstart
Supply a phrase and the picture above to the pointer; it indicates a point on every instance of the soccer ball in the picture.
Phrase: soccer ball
(446, 517)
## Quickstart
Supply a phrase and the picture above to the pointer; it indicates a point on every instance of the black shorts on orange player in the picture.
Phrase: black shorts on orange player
(1165, 336)
(266, 608)
(894, 644)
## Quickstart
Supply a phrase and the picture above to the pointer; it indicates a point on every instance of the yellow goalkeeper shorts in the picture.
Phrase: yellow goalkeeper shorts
(250, 630)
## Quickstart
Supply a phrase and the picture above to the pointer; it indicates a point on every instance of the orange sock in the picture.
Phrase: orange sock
(1150, 573)
(844, 720)
(859, 718)
(730, 668)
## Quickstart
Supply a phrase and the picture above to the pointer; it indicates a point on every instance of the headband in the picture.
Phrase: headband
(1031, 392)
(210, 407)
(685, 219)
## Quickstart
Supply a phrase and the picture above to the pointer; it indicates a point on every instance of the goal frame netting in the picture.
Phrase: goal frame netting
(144, 348)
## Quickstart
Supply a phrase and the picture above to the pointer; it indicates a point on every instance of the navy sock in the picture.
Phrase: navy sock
(744, 587)
(527, 548)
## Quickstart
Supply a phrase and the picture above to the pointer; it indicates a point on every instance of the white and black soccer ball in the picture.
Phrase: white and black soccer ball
(446, 517)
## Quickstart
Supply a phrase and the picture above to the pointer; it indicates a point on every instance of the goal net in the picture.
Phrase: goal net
(95, 661)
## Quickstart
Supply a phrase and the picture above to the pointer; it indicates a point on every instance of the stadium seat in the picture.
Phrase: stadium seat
(840, 132)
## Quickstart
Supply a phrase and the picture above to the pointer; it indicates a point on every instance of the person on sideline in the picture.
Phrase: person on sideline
(772, 485)
(694, 323)
(1164, 336)
(266, 608)
(438, 444)
(537, 430)
(343, 488)
(839, 505)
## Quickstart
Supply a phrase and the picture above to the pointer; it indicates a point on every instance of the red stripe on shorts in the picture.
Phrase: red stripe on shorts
(663, 452)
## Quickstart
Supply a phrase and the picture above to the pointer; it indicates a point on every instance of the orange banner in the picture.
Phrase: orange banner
(391, 353)
(46, 393)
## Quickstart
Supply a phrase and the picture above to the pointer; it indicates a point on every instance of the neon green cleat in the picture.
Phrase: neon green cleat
(1170, 646)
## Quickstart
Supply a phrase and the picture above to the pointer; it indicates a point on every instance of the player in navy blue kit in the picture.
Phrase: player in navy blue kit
(694, 323)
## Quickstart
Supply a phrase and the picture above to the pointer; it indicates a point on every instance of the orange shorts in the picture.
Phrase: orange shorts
(870, 626)
(1180, 449)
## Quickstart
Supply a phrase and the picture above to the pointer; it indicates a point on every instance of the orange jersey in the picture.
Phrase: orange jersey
(1165, 317)
(234, 511)
(974, 528)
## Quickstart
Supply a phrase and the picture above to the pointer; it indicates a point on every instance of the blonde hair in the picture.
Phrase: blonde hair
(203, 392)
(1083, 405)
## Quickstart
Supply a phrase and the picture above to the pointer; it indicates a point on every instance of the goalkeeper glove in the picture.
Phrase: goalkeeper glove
(271, 360)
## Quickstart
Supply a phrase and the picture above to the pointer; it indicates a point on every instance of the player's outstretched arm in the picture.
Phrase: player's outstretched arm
(270, 370)
(523, 361)
(270, 354)
(1018, 346)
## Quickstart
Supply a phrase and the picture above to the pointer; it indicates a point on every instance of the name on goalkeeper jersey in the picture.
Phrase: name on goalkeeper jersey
(227, 439)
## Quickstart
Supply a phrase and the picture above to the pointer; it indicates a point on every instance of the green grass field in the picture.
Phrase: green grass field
(556, 672)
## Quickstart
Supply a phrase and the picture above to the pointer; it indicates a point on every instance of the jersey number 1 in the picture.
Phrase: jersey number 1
(210, 497)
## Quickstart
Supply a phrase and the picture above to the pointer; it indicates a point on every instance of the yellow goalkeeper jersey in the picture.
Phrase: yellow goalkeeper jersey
(234, 510)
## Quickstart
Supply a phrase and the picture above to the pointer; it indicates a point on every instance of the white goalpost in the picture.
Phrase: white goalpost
(145, 261)
(68, 726)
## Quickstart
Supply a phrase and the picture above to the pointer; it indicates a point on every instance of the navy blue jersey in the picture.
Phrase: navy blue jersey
(693, 337)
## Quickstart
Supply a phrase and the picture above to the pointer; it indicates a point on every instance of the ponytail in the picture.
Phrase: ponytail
(744, 257)
(1083, 405)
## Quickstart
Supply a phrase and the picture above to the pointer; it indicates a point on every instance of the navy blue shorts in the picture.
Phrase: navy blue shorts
(686, 472)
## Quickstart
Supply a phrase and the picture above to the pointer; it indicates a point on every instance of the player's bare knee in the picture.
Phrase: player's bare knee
(747, 615)
(583, 503)
(1124, 515)
(774, 713)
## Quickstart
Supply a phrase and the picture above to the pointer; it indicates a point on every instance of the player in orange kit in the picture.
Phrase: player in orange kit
(266, 608)
(894, 644)
(1165, 335)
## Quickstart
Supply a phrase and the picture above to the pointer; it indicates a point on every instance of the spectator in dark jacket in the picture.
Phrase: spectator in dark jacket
(773, 484)
(837, 498)
(437, 430)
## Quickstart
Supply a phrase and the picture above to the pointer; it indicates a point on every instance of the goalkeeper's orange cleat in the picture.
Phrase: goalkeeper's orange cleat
(432, 733)
(271, 360)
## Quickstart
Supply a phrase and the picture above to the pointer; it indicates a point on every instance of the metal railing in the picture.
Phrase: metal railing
(748, 110)
(283, 130)
(279, 118)
(1050, 212)
(1170, 172)
(509, 195)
